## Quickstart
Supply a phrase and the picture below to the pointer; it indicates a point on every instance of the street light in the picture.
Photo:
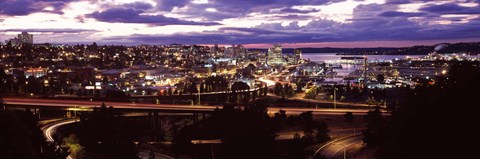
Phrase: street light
(26, 87)
(334, 97)
(75, 113)
(199, 95)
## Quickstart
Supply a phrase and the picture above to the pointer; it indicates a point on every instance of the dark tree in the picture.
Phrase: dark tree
(21, 83)
(278, 89)
(380, 78)
(101, 131)
(240, 86)
(321, 134)
(287, 91)
(265, 90)
(175, 92)
(349, 116)
(169, 91)
(21, 138)
(244, 133)
(105, 80)
(434, 118)
(3, 81)
(116, 94)
(373, 135)
(2, 104)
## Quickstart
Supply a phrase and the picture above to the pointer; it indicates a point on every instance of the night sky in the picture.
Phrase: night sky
(254, 23)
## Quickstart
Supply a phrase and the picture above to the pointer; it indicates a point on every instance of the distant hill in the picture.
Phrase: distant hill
(470, 48)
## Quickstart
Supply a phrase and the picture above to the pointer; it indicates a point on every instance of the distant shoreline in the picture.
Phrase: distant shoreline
(472, 48)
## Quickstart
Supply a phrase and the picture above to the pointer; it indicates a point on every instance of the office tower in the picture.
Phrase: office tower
(275, 55)
(25, 38)
(297, 55)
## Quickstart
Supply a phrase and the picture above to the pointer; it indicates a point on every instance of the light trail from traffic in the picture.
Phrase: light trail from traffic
(50, 129)
(166, 107)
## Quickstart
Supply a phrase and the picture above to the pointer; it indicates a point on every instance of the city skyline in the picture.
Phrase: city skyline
(238, 79)
(319, 23)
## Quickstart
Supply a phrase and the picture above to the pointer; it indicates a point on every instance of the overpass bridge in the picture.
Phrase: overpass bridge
(78, 105)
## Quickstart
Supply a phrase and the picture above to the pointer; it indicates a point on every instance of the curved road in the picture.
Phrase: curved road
(336, 148)
(144, 154)
(49, 130)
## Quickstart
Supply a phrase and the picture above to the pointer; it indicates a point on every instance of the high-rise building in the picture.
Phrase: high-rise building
(214, 50)
(240, 51)
(13, 41)
(25, 38)
(275, 55)
(229, 51)
(297, 55)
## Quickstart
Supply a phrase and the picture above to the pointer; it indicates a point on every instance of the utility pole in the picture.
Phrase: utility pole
(212, 151)
(354, 132)
(334, 97)
(199, 94)
(75, 112)
(344, 150)
(365, 64)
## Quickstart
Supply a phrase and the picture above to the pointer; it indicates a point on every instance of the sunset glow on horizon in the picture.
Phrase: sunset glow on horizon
(255, 24)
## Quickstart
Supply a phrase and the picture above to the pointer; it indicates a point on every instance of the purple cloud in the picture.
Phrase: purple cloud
(168, 5)
(130, 15)
(373, 22)
(65, 30)
(401, 14)
(240, 8)
(404, 1)
(12, 7)
(451, 8)
(346, 33)
(25, 7)
(291, 10)
(138, 5)
(292, 17)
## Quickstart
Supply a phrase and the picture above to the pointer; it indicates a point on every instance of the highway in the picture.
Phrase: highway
(321, 102)
(336, 148)
(144, 154)
(203, 93)
(271, 84)
(70, 104)
(331, 150)
(49, 130)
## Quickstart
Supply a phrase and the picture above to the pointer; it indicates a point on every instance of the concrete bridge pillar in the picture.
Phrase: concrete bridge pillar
(155, 125)
(37, 113)
(150, 120)
(195, 117)
(68, 114)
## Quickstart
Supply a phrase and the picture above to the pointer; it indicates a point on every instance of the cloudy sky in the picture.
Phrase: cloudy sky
(254, 23)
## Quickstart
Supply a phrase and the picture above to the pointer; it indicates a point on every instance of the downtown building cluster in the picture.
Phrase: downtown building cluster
(101, 70)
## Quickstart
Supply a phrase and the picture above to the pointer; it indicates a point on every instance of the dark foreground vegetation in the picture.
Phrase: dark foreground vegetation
(21, 137)
(436, 121)
(249, 133)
